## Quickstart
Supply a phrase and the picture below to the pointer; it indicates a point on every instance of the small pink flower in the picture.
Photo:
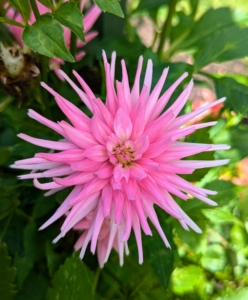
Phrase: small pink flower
(121, 162)
(89, 19)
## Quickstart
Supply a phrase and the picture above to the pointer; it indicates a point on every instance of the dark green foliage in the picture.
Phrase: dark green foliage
(7, 275)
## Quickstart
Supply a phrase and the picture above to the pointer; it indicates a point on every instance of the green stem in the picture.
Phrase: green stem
(173, 47)
(12, 22)
(23, 215)
(35, 8)
(167, 27)
(73, 44)
(96, 280)
(6, 226)
(44, 77)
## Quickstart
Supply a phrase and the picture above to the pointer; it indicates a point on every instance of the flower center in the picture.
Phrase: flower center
(120, 152)
(124, 154)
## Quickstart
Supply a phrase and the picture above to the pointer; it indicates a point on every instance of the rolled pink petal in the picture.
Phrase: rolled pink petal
(120, 163)
(47, 144)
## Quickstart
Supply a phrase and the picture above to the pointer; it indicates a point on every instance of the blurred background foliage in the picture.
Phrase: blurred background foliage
(209, 40)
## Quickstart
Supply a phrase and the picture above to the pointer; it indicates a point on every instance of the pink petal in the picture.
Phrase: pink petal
(75, 179)
(47, 144)
(122, 125)
(121, 171)
(106, 200)
(105, 170)
(78, 137)
(96, 153)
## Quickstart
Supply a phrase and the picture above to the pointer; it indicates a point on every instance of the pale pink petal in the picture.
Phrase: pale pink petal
(122, 125)
(121, 172)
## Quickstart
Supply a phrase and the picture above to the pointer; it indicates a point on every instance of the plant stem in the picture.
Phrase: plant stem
(44, 72)
(96, 280)
(35, 9)
(23, 215)
(73, 44)
(167, 27)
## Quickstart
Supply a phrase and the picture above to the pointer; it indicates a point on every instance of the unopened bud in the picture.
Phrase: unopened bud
(13, 60)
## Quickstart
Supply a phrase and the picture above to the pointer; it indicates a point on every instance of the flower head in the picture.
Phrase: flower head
(89, 19)
(122, 161)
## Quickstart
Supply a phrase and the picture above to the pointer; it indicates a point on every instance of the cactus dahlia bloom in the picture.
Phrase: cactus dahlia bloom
(120, 162)
(89, 19)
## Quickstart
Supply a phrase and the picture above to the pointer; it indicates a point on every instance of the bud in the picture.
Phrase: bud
(13, 60)
(18, 70)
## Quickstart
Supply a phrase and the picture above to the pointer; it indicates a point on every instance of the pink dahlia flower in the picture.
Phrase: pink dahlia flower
(122, 161)
(89, 19)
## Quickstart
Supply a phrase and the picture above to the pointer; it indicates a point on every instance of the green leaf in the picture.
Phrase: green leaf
(160, 257)
(239, 237)
(227, 191)
(70, 16)
(7, 203)
(47, 3)
(33, 248)
(230, 43)
(23, 7)
(234, 137)
(220, 215)
(71, 281)
(149, 5)
(236, 93)
(7, 275)
(53, 259)
(238, 294)
(42, 206)
(34, 288)
(187, 279)
(111, 6)
(214, 258)
(5, 153)
(211, 21)
(46, 37)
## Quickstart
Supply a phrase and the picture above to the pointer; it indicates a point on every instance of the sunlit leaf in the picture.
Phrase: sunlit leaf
(214, 258)
(187, 279)
(236, 93)
(209, 22)
(238, 294)
(221, 215)
(230, 43)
